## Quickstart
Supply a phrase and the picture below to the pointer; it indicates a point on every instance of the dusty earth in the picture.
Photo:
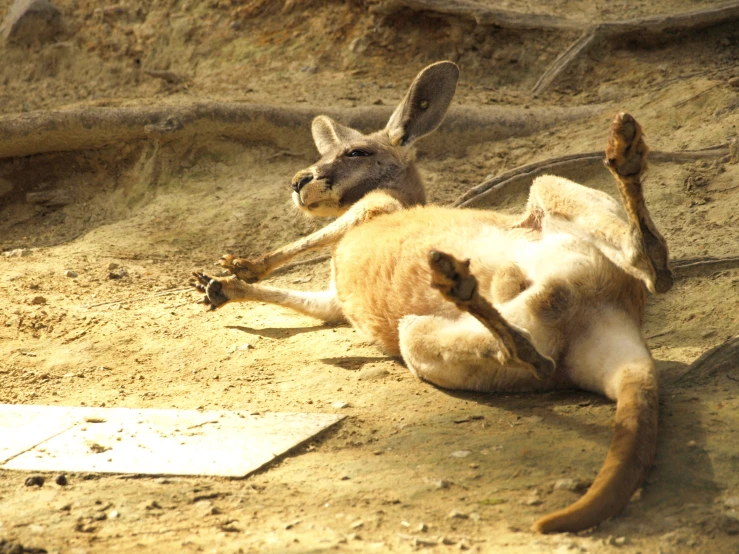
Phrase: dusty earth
(411, 467)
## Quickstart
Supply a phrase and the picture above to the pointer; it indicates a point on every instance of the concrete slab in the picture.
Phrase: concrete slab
(150, 441)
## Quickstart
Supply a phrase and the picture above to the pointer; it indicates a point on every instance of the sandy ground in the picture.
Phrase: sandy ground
(412, 467)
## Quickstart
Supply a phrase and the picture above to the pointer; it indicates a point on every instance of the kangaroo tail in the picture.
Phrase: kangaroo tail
(629, 458)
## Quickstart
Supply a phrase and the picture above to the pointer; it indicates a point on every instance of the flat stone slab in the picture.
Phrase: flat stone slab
(150, 441)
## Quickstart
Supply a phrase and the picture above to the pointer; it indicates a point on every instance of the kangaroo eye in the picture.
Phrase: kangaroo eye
(358, 152)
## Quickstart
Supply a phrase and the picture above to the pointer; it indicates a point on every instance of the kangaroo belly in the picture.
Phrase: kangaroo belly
(382, 272)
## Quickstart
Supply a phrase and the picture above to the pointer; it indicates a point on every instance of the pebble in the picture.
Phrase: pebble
(340, 405)
(457, 514)
(35, 481)
(460, 454)
(38, 300)
(71, 274)
(119, 273)
(357, 524)
(734, 82)
(732, 502)
(566, 485)
(113, 514)
(61, 480)
(422, 528)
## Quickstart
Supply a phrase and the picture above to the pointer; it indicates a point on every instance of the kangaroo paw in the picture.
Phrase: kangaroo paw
(249, 271)
(451, 277)
(626, 152)
(212, 288)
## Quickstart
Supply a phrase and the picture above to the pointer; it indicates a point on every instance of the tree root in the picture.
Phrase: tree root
(287, 128)
(702, 267)
(591, 32)
(723, 360)
(489, 188)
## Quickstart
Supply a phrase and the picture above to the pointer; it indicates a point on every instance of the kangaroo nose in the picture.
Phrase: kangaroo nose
(302, 182)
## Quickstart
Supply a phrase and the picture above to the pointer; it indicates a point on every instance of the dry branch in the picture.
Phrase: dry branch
(287, 127)
(563, 163)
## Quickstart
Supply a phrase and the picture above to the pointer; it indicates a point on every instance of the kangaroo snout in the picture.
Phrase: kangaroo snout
(299, 181)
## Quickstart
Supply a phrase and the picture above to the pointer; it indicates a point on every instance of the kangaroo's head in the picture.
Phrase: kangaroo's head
(353, 164)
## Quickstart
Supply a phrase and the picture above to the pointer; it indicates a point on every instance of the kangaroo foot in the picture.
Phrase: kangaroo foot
(249, 271)
(217, 291)
(455, 282)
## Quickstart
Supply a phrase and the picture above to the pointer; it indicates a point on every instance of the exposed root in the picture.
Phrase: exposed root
(591, 32)
(488, 189)
(702, 267)
(718, 361)
(287, 128)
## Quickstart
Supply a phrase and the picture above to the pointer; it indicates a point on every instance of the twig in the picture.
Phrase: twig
(563, 61)
(140, 298)
(720, 360)
(487, 188)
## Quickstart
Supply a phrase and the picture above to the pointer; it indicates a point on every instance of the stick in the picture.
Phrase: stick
(700, 267)
(491, 186)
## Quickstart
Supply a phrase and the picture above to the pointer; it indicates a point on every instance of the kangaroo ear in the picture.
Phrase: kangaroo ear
(327, 134)
(425, 105)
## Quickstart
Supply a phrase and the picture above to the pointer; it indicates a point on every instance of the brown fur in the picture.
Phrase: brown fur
(484, 301)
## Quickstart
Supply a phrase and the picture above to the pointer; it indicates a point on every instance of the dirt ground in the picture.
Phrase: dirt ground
(96, 310)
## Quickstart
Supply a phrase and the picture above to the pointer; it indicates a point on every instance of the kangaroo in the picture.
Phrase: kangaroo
(479, 300)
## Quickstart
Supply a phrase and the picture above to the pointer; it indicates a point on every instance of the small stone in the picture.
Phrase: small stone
(35, 481)
(113, 514)
(447, 541)
(441, 483)
(460, 454)
(119, 273)
(422, 528)
(31, 21)
(566, 485)
(732, 502)
(71, 274)
(38, 300)
(61, 480)
(245, 347)
(340, 405)
(405, 524)
(113, 266)
(692, 444)
(734, 82)
(457, 514)
(357, 524)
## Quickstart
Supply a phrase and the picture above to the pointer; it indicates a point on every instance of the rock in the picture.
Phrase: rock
(734, 82)
(119, 273)
(372, 373)
(357, 524)
(71, 274)
(732, 502)
(31, 22)
(340, 405)
(457, 514)
(567, 485)
(35, 481)
(113, 266)
(61, 480)
(38, 300)
(113, 514)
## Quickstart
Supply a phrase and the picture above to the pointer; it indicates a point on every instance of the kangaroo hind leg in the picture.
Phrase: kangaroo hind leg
(626, 158)
(455, 282)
